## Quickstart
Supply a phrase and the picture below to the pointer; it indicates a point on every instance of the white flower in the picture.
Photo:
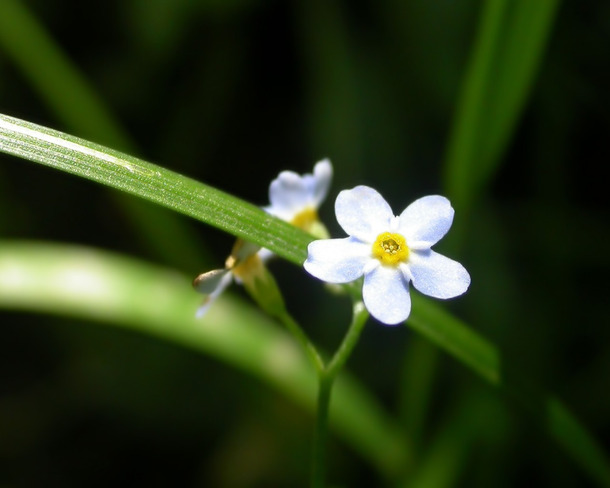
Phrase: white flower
(389, 251)
(295, 199)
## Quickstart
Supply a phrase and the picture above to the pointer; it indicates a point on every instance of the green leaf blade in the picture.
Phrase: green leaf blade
(153, 183)
(95, 285)
(485, 359)
(507, 52)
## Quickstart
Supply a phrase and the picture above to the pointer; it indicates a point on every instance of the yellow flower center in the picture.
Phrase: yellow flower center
(248, 268)
(390, 248)
(305, 219)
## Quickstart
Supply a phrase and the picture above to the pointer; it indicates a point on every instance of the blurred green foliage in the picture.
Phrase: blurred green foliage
(231, 92)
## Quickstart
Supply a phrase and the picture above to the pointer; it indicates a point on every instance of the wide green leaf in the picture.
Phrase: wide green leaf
(151, 182)
(119, 291)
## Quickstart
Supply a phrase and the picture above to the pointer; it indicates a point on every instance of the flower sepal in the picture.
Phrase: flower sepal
(262, 287)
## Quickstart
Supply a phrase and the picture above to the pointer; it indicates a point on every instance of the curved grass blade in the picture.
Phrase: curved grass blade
(74, 102)
(332, 79)
(53, 76)
(154, 183)
(457, 339)
(114, 290)
(448, 453)
(511, 38)
(508, 49)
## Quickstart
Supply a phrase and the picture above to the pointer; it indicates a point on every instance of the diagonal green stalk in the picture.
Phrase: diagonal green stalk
(359, 316)
(326, 379)
(334, 105)
(73, 100)
(463, 150)
(55, 78)
(297, 331)
(506, 55)
(482, 357)
(319, 455)
(153, 183)
(511, 39)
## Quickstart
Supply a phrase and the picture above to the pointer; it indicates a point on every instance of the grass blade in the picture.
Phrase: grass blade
(95, 285)
(153, 183)
(75, 103)
(55, 78)
(481, 356)
(508, 49)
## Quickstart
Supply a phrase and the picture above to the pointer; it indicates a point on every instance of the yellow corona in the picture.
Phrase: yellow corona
(391, 249)
(249, 267)
(305, 219)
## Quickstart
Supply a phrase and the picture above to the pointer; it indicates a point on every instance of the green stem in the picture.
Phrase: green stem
(359, 317)
(295, 329)
(320, 438)
(326, 378)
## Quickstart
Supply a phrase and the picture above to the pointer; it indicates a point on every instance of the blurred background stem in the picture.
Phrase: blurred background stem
(508, 48)
(76, 105)
(326, 379)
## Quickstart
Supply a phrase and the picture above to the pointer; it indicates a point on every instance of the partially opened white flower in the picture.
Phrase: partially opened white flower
(389, 251)
(295, 199)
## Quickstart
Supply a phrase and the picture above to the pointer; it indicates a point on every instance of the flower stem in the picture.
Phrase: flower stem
(326, 378)
(350, 340)
(318, 468)
(295, 329)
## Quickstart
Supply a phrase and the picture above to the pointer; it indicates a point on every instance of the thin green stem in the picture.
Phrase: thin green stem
(320, 438)
(295, 329)
(326, 378)
(350, 340)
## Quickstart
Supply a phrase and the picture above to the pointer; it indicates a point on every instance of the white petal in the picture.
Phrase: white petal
(337, 260)
(225, 280)
(363, 213)
(288, 194)
(323, 174)
(386, 295)
(426, 221)
(265, 254)
(242, 250)
(436, 275)
(291, 193)
(207, 282)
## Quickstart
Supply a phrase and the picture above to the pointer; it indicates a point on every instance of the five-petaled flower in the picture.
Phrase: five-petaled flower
(389, 251)
(295, 199)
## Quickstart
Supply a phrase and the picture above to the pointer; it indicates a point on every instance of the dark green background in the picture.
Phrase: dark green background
(232, 92)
